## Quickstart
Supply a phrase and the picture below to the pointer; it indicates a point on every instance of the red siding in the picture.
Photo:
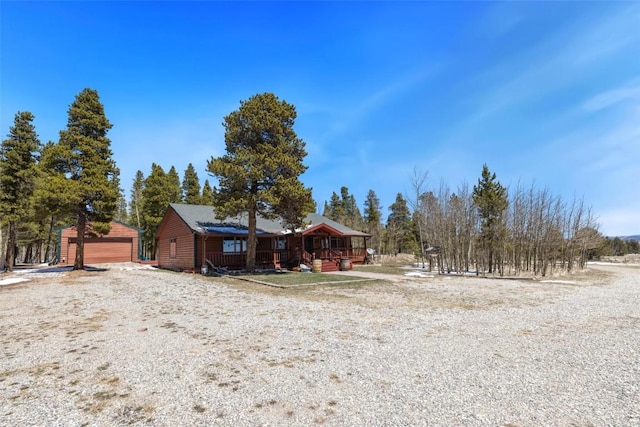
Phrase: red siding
(119, 245)
(173, 227)
(101, 250)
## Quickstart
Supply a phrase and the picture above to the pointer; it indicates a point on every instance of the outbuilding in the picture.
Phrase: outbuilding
(121, 244)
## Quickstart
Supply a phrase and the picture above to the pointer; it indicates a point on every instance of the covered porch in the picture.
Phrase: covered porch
(321, 242)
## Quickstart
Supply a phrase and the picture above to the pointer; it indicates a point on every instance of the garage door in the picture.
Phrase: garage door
(103, 249)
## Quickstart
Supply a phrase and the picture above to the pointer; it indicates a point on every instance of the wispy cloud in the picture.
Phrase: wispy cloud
(556, 62)
(346, 115)
(349, 113)
(627, 93)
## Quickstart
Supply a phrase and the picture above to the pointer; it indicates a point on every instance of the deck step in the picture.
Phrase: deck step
(328, 266)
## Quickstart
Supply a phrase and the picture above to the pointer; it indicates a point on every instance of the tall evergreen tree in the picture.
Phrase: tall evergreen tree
(122, 214)
(259, 173)
(136, 203)
(90, 184)
(18, 173)
(400, 230)
(50, 207)
(372, 210)
(336, 211)
(156, 196)
(344, 209)
(373, 218)
(326, 211)
(207, 193)
(352, 215)
(191, 186)
(173, 185)
(490, 197)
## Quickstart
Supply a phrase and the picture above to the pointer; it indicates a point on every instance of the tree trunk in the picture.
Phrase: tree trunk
(47, 249)
(38, 253)
(82, 223)
(252, 241)
(28, 254)
(11, 246)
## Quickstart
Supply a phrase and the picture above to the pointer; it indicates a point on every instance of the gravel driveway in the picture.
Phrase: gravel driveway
(146, 347)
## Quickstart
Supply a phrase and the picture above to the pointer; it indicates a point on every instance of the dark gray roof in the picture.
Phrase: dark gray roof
(202, 220)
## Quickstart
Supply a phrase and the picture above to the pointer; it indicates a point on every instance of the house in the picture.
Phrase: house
(190, 237)
(121, 244)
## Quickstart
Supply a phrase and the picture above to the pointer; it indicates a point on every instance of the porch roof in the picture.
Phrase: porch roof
(318, 227)
(315, 219)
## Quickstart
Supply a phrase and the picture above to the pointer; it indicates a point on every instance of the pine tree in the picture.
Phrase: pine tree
(173, 185)
(336, 210)
(156, 196)
(373, 219)
(326, 211)
(259, 173)
(18, 173)
(191, 186)
(352, 215)
(90, 184)
(50, 207)
(372, 210)
(490, 198)
(136, 202)
(400, 230)
(122, 214)
(207, 193)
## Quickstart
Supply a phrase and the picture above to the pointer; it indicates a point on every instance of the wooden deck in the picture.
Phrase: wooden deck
(285, 259)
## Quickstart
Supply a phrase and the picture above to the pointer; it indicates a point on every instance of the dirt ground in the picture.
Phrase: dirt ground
(123, 345)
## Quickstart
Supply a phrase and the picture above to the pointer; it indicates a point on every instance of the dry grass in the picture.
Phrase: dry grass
(381, 269)
(399, 260)
(296, 279)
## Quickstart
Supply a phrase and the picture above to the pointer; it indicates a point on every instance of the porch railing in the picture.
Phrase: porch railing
(340, 253)
(264, 259)
(307, 258)
(282, 258)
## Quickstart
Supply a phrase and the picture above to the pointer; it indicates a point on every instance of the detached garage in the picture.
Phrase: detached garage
(120, 245)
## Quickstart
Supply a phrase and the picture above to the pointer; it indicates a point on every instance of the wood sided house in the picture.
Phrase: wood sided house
(190, 237)
(122, 244)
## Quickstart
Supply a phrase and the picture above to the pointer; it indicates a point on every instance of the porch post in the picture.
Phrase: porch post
(204, 250)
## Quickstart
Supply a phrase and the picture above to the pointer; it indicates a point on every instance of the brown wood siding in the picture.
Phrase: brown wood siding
(101, 250)
(119, 245)
(172, 227)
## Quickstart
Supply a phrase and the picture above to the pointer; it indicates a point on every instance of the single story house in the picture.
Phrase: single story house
(190, 237)
(121, 244)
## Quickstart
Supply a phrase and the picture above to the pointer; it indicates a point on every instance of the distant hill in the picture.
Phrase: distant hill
(634, 237)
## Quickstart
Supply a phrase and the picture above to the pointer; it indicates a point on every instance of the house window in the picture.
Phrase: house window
(234, 245)
(336, 242)
(280, 243)
(172, 248)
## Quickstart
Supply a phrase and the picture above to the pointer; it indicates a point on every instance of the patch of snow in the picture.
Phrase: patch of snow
(565, 282)
(47, 269)
(419, 274)
(12, 281)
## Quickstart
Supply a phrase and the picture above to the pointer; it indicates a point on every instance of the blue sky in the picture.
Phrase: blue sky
(544, 93)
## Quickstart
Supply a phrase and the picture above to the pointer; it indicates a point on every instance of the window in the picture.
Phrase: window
(234, 245)
(172, 248)
(280, 243)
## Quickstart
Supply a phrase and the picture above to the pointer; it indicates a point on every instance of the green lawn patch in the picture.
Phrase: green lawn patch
(297, 279)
